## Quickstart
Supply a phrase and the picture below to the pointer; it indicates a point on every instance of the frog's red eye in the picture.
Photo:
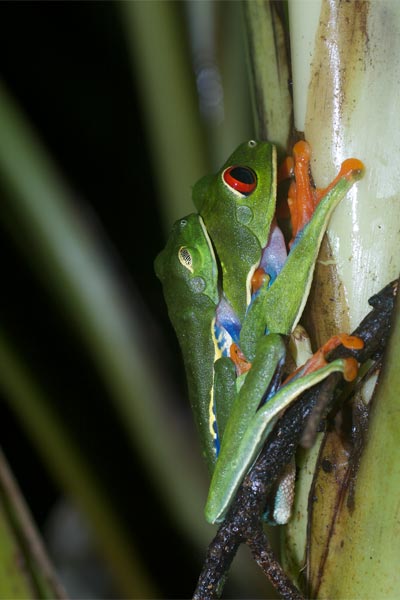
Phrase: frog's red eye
(240, 179)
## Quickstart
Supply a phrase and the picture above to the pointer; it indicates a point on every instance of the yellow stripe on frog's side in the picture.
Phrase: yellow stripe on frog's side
(212, 419)
(248, 283)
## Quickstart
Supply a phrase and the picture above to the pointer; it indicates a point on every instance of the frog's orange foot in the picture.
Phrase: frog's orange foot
(302, 198)
(241, 363)
(351, 341)
(350, 369)
(348, 341)
(318, 359)
(302, 152)
(351, 169)
(259, 277)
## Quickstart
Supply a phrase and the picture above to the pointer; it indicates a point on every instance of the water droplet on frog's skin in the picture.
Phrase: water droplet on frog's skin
(244, 214)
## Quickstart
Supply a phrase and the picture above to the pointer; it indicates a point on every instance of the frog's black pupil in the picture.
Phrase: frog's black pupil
(243, 174)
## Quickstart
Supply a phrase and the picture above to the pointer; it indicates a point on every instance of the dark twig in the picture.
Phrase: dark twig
(263, 555)
(243, 523)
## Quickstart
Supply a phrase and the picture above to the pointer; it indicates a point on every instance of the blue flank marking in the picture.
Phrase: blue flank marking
(298, 237)
(273, 274)
(226, 331)
(216, 440)
(223, 338)
(226, 328)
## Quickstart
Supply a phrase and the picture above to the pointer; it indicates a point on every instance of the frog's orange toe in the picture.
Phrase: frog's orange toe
(350, 369)
(302, 150)
(352, 168)
(351, 341)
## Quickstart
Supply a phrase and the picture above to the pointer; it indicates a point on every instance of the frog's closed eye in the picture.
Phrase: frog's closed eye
(185, 258)
(240, 179)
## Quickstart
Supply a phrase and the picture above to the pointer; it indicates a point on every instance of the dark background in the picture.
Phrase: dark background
(66, 63)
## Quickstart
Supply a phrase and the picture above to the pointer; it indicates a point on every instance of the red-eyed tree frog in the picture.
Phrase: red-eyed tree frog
(230, 327)
(237, 206)
(276, 308)
(202, 320)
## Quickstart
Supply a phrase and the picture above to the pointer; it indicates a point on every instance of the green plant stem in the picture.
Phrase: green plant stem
(70, 470)
(72, 260)
(25, 570)
(159, 53)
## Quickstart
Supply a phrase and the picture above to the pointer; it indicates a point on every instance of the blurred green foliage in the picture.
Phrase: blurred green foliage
(102, 134)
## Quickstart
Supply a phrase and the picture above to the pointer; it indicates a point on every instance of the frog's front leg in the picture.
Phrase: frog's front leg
(282, 303)
(238, 453)
(224, 393)
(251, 387)
(311, 210)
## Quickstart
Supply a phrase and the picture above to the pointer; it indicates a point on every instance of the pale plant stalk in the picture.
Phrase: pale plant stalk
(269, 68)
(345, 70)
(345, 73)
